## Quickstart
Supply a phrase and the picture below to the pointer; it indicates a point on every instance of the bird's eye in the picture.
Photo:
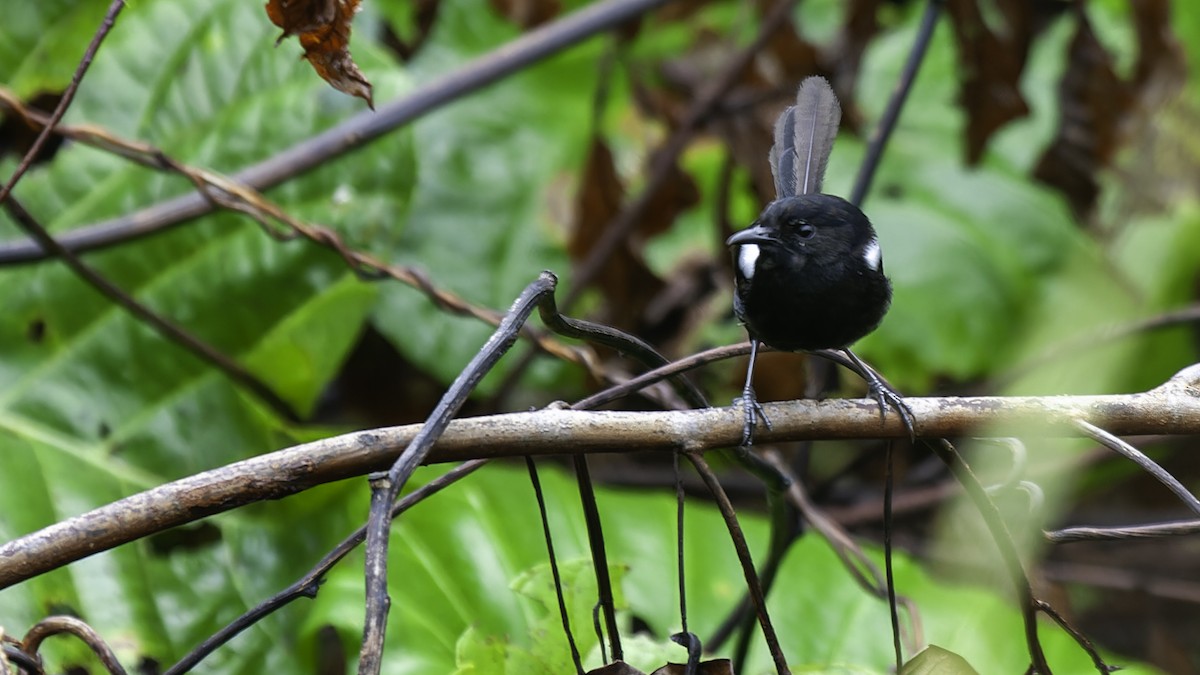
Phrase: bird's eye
(806, 231)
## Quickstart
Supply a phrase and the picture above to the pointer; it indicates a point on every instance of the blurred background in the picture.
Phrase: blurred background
(1036, 206)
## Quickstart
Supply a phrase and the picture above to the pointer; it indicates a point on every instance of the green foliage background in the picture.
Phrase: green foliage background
(989, 270)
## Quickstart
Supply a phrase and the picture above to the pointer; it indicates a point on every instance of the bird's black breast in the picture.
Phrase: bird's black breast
(816, 282)
(791, 313)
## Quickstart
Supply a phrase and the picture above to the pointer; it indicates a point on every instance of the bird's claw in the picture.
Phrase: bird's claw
(885, 395)
(752, 411)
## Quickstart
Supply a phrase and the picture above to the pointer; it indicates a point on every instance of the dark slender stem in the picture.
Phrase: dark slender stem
(359, 130)
(1004, 544)
(1080, 639)
(785, 530)
(619, 340)
(599, 631)
(161, 325)
(743, 553)
(536, 483)
(889, 482)
(1137, 457)
(662, 373)
(595, 533)
(378, 602)
(679, 559)
(68, 96)
(29, 665)
(58, 625)
(879, 138)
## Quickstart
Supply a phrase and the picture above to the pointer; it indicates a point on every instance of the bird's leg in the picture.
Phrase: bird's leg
(883, 393)
(750, 404)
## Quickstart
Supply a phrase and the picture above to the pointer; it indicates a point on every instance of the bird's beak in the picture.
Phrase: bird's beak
(755, 234)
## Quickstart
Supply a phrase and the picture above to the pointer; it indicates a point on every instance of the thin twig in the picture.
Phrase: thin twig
(1004, 544)
(641, 351)
(536, 483)
(57, 625)
(743, 553)
(1084, 643)
(225, 192)
(861, 568)
(889, 481)
(29, 664)
(595, 535)
(68, 96)
(1072, 535)
(386, 489)
(887, 123)
(1137, 457)
(160, 324)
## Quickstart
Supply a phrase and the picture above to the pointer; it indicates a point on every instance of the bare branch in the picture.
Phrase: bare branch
(1172, 408)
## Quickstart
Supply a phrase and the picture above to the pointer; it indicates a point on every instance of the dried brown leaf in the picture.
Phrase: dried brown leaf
(323, 27)
(992, 62)
(1097, 106)
(626, 282)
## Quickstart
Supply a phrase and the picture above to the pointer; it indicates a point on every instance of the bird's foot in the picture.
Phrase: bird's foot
(752, 412)
(885, 395)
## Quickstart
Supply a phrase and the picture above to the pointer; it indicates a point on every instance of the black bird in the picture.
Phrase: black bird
(809, 272)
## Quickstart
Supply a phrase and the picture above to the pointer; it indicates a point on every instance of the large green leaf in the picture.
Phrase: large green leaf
(84, 386)
(463, 593)
(493, 183)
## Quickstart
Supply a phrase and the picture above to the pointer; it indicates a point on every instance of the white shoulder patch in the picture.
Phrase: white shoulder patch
(872, 255)
(747, 259)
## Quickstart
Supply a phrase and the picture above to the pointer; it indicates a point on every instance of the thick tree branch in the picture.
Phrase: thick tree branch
(1173, 408)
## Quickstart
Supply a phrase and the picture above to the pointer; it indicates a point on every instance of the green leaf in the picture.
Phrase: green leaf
(94, 405)
(470, 589)
(33, 56)
(934, 660)
(489, 209)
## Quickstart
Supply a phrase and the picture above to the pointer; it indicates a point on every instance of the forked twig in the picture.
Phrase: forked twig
(226, 192)
(110, 18)
(386, 488)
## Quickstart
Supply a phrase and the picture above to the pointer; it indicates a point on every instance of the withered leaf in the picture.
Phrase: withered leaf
(628, 284)
(992, 63)
(1096, 104)
(1094, 100)
(323, 27)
